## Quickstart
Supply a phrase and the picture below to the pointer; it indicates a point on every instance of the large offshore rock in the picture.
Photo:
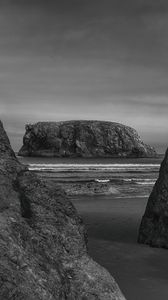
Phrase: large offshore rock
(154, 226)
(83, 139)
(43, 251)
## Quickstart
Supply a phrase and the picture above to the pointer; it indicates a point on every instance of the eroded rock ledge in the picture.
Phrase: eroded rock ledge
(83, 139)
(43, 251)
(154, 226)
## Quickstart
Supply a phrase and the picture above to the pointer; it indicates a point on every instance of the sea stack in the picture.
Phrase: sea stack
(43, 252)
(83, 139)
(154, 226)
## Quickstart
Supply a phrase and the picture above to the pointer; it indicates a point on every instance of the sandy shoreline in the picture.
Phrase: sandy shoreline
(112, 226)
(113, 221)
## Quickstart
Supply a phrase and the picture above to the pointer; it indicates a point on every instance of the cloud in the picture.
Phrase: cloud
(84, 59)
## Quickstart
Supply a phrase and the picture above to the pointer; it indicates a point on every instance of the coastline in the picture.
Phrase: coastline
(111, 197)
(112, 224)
(119, 177)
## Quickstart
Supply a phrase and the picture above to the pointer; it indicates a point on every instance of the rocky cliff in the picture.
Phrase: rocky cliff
(154, 226)
(43, 251)
(83, 139)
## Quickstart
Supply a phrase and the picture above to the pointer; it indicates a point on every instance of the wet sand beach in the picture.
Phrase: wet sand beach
(113, 220)
(112, 224)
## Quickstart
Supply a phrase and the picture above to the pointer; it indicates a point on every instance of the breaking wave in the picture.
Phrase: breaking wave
(94, 167)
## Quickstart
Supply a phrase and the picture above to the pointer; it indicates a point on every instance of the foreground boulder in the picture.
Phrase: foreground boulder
(83, 139)
(43, 251)
(154, 226)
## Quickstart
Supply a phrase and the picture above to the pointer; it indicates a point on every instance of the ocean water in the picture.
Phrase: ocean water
(113, 221)
(124, 177)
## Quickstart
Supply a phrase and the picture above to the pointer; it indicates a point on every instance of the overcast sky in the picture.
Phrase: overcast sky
(85, 59)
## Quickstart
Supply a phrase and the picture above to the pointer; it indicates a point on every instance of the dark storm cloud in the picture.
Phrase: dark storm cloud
(85, 59)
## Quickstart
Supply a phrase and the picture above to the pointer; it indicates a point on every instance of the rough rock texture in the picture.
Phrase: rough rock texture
(83, 139)
(43, 251)
(154, 226)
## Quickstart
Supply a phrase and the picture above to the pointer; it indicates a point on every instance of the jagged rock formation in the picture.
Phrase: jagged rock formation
(43, 251)
(154, 226)
(83, 139)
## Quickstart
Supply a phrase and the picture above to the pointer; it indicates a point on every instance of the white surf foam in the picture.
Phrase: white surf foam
(142, 181)
(94, 167)
(102, 180)
(146, 183)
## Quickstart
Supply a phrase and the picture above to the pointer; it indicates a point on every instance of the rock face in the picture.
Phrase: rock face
(154, 226)
(43, 251)
(83, 139)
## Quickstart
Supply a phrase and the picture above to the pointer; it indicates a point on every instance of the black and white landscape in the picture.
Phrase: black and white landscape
(83, 136)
